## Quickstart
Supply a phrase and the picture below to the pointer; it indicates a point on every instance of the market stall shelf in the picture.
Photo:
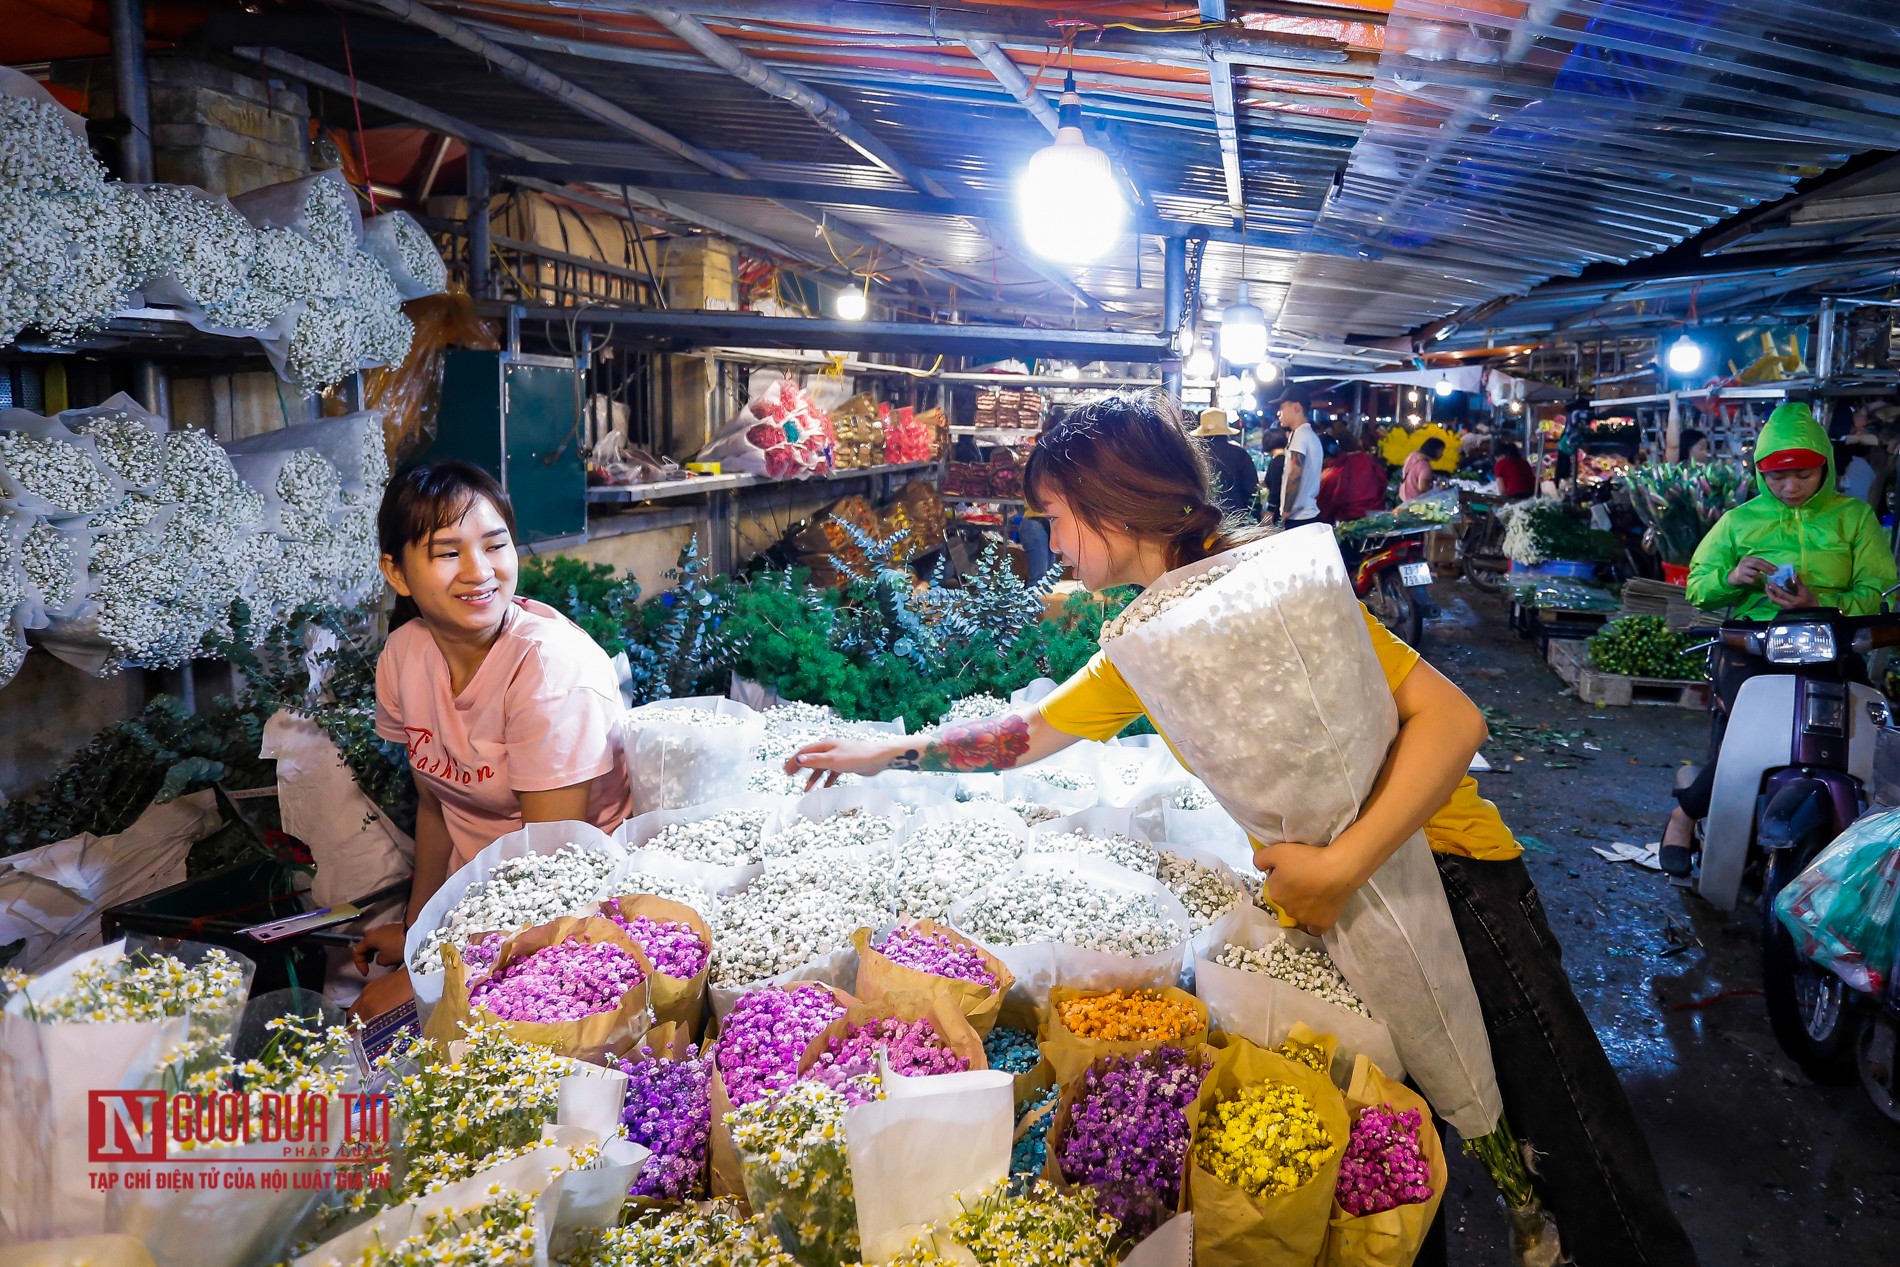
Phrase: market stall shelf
(1571, 661)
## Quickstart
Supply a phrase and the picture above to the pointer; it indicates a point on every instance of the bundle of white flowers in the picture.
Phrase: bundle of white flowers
(67, 477)
(126, 444)
(1124, 851)
(795, 913)
(520, 893)
(420, 259)
(728, 838)
(1036, 908)
(939, 863)
(1206, 893)
(848, 828)
(1309, 970)
(53, 568)
(199, 475)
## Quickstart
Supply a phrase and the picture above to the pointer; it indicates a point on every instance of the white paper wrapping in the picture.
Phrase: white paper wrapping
(1266, 682)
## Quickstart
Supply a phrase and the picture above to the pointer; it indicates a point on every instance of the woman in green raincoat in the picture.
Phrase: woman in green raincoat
(1834, 544)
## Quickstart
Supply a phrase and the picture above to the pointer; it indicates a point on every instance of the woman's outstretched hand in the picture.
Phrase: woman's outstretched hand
(829, 758)
(1311, 885)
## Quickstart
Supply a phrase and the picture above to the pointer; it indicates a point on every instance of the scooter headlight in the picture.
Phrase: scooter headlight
(1800, 644)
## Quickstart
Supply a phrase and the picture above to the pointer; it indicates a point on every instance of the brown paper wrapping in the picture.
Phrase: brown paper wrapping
(596, 1039)
(682, 1000)
(935, 1007)
(1390, 1238)
(727, 1180)
(1232, 1229)
(1069, 1054)
(879, 976)
(1059, 1130)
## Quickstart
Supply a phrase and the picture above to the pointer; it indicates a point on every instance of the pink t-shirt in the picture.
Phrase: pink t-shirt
(543, 712)
(1417, 477)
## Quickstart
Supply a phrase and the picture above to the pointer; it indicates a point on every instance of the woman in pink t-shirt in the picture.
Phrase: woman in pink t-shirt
(511, 714)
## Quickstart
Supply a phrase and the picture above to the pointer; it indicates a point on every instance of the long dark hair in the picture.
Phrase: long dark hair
(1125, 462)
(422, 500)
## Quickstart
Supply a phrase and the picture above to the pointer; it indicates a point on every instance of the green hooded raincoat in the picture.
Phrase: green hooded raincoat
(1834, 541)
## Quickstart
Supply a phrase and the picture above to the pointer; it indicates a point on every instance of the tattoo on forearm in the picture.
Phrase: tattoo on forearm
(995, 743)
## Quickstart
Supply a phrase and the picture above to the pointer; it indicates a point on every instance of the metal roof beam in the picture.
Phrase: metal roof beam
(669, 209)
(414, 111)
(686, 328)
(827, 113)
(546, 82)
(998, 25)
(977, 207)
(1220, 81)
(1011, 77)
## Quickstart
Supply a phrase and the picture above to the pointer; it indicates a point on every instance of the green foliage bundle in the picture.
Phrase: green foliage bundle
(1643, 646)
(1681, 501)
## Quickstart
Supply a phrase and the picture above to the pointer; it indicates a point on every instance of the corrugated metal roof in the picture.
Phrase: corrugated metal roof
(1515, 140)
(1504, 142)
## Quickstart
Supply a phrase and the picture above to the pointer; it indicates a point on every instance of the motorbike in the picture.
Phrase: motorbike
(1481, 541)
(1392, 578)
(1795, 768)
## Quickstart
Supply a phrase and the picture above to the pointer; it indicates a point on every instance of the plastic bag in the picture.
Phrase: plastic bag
(1264, 1009)
(1040, 967)
(129, 440)
(320, 208)
(676, 763)
(596, 1038)
(1841, 909)
(536, 838)
(51, 897)
(48, 1070)
(779, 434)
(49, 470)
(1390, 1238)
(1284, 610)
(1233, 1229)
(255, 1225)
(356, 848)
(406, 396)
(352, 443)
(402, 247)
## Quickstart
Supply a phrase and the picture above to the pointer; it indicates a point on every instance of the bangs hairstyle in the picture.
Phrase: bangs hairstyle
(423, 500)
(1125, 462)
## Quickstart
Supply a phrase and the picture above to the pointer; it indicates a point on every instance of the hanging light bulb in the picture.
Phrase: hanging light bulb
(851, 305)
(1517, 406)
(1411, 397)
(1071, 371)
(1228, 389)
(1068, 198)
(1268, 371)
(1243, 332)
(1249, 385)
(1199, 365)
(1443, 386)
(1685, 357)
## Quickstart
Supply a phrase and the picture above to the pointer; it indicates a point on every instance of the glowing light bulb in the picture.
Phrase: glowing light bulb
(850, 305)
(1199, 364)
(1068, 199)
(1443, 387)
(1685, 357)
(1243, 332)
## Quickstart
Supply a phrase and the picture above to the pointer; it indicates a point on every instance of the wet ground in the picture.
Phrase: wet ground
(1762, 1165)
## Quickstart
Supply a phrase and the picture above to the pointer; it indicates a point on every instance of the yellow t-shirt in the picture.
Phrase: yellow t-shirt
(1097, 703)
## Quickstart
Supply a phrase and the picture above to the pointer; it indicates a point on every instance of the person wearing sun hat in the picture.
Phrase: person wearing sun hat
(1798, 520)
(1236, 482)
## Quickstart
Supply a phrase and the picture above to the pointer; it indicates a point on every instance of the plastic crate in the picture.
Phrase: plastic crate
(1573, 569)
(217, 907)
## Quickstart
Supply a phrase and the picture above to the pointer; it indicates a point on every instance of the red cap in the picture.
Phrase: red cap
(1791, 460)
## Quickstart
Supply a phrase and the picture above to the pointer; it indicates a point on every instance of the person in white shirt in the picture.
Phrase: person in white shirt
(1305, 456)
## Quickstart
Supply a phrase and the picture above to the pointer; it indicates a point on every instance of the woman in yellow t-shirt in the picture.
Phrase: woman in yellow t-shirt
(1127, 497)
